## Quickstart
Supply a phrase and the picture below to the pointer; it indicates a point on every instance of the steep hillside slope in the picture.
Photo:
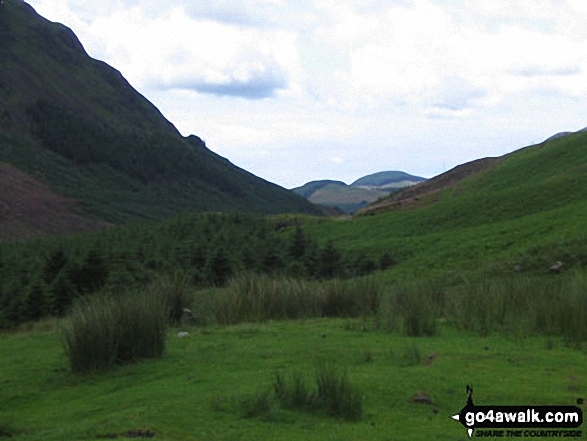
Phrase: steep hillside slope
(527, 208)
(77, 124)
(425, 192)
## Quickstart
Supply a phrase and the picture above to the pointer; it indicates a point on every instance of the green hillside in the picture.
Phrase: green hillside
(528, 208)
(77, 124)
(310, 188)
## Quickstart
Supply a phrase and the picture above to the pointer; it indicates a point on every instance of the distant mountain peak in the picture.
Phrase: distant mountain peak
(350, 198)
(387, 179)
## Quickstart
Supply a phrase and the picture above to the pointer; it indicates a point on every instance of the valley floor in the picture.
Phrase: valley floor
(197, 390)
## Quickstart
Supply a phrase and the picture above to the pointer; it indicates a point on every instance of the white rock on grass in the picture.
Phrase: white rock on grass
(182, 334)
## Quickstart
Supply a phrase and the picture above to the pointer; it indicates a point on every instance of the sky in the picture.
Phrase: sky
(301, 90)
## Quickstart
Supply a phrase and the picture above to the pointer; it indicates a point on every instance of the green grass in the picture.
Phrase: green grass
(189, 394)
(527, 210)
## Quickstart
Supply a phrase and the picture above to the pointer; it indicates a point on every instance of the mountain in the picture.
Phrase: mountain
(365, 190)
(388, 179)
(529, 180)
(77, 128)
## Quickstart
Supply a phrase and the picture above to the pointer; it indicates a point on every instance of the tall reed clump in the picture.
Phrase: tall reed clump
(336, 395)
(350, 298)
(414, 309)
(259, 297)
(333, 395)
(176, 294)
(523, 306)
(559, 307)
(104, 330)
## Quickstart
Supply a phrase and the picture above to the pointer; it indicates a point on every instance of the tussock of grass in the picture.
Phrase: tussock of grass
(414, 309)
(350, 298)
(176, 295)
(103, 331)
(257, 298)
(524, 306)
(410, 355)
(254, 298)
(334, 395)
(518, 306)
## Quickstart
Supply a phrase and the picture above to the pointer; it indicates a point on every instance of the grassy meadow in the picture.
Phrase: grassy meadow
(259, 350)
(203, 386)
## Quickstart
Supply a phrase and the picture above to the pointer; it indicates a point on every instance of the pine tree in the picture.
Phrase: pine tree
(219, 267)
(53, 265)
(298, 245)
(62, 294)
(330, 261)
(34, 306)
(386, 261)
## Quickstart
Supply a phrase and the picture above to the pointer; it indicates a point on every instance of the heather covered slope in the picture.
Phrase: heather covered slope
(28, 208)
(78, 125)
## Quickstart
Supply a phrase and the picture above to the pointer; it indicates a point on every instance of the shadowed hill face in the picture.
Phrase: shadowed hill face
(45, 61)
(78, 125)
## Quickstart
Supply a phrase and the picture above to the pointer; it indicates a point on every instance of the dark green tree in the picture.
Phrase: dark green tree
(298, 245)
(272, 255)
(91, 275)
(61, 295)
(219, 267)
(330, 261)
(311, 259)
(53, 265)
(34, 306)
(363, 264)
(386, 261)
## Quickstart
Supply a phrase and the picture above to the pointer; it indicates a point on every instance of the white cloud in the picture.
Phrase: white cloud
(375, 83)
(173, 50)
(418, 52)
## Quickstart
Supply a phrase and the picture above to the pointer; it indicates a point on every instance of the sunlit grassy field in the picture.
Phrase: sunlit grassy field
(196, 391)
